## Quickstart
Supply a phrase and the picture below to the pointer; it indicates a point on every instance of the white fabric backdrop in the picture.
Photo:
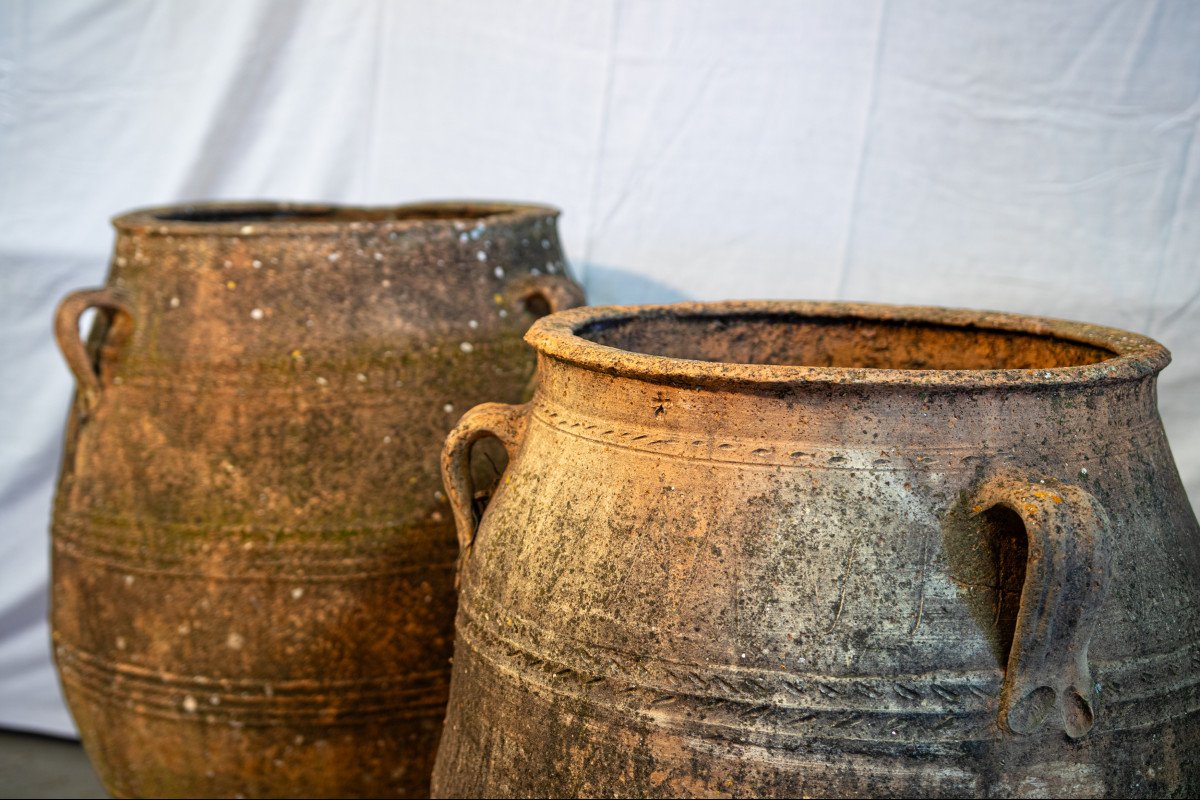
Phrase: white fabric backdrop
(1023, 156)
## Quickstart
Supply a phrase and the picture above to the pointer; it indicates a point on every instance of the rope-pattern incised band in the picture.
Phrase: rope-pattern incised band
(735, 702)
(810, 455)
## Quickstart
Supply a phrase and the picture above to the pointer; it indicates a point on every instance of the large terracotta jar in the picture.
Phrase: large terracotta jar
(253, 561)
(806, 549)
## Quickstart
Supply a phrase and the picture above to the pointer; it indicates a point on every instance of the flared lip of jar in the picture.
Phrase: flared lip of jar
(283, 218)
(558, 336)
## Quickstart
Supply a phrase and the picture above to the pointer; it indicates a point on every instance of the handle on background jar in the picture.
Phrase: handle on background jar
(506, 423)
(1066, 577)
(66, 331)
(558, 292)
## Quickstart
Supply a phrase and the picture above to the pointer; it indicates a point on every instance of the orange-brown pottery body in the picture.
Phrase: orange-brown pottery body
(803, 549)
(253, 561)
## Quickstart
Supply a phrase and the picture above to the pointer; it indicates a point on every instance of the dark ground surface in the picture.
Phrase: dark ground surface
(43, 766)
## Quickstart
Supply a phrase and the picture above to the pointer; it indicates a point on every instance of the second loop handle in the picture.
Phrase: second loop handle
(74, 350)
(1066, 578)
(506, 423)
(558, 292)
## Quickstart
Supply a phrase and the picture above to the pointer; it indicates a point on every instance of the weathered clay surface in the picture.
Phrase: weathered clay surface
(253, 574)
(801, 549)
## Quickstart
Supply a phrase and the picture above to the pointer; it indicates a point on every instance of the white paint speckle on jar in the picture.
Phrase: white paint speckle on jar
(256, 313)
(189, 704)
(174, 302)
(235, 640)
(466, 347)
(448, 408)
(482, 256)
(498, 272)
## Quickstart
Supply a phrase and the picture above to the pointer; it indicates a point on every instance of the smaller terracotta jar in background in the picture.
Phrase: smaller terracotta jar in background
(253, 560)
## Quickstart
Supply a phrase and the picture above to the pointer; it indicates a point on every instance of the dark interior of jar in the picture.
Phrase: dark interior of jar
(847, 342)
(332, 214)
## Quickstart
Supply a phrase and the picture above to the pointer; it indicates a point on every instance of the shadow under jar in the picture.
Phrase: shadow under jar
(253, 560)
(817, 549)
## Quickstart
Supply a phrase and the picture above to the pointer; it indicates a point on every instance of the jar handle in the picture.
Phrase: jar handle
(506, 423)
(557, 291)
(1066, 577)
(66, 332)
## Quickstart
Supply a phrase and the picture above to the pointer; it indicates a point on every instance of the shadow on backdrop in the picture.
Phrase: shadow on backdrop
(612, 286)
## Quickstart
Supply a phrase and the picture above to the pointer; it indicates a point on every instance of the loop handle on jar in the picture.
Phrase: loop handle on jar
(540, 296)
(555, 293)
(66, 331)
(1067, 573)
(504, 422)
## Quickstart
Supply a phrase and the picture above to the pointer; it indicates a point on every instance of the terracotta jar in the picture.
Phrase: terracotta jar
(253, 561)
(820, 549)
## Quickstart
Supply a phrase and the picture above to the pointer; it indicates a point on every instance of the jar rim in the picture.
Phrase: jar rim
(558, 336)
(284, 218)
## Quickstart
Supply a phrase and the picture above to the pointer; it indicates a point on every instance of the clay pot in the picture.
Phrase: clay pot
(253, 563)
(806, 549)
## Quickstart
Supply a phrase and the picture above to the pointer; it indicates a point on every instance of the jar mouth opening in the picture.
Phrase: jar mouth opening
(780, 342)
(271, 217)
